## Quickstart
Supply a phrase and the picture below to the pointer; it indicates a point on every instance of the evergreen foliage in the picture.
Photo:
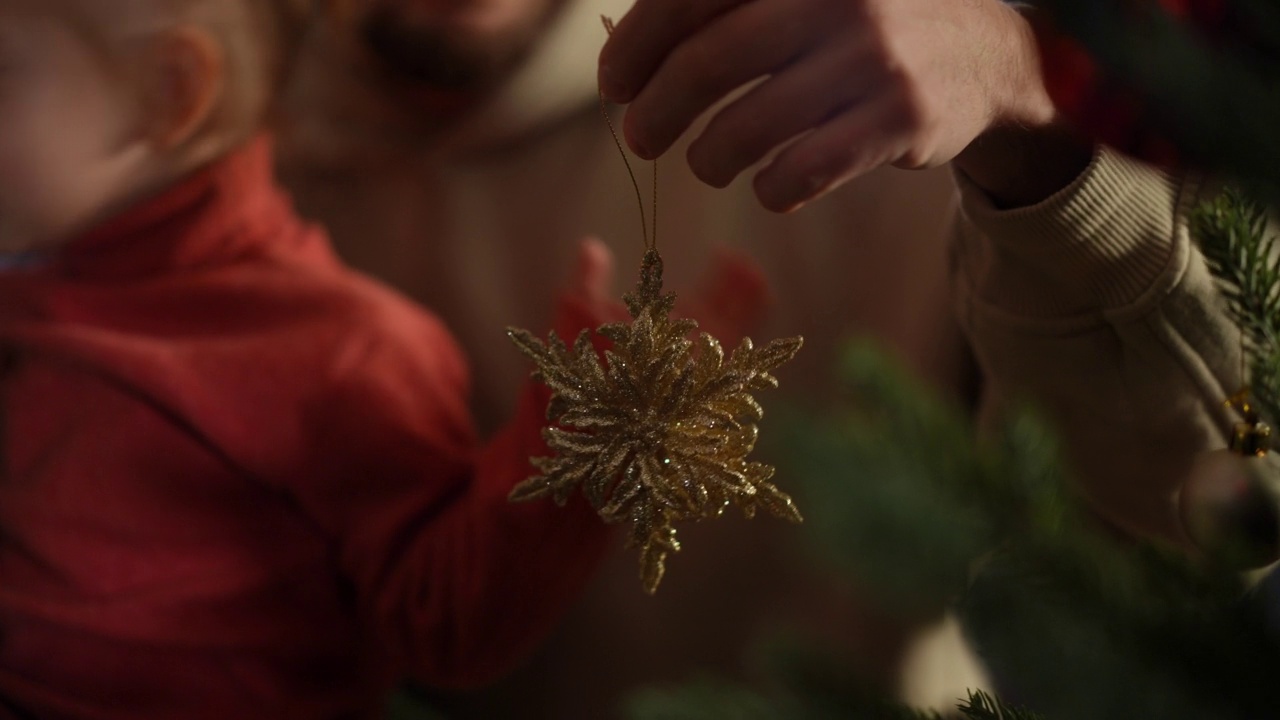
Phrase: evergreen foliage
(1073, 622)
(905, 499)
(1232, 232)
(982, 706)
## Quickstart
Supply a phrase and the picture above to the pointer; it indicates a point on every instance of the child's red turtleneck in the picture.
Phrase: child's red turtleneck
(240, 481)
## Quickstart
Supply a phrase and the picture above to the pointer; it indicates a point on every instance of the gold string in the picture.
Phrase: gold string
(650, 241)
(644, 225)
(653, 241)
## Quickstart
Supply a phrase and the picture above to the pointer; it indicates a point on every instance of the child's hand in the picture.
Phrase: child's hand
(860, 83)
(593, 275)
(589, 300)
(730, 303)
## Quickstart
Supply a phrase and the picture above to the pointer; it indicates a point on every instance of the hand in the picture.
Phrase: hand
(856, 84)
(731, 301)
(589, 302)
(592, 280)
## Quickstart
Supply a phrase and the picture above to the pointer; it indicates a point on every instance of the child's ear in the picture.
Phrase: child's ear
(185, 81)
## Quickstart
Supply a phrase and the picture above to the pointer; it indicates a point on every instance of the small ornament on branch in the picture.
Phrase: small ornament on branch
(659, 432)
(1229, 503)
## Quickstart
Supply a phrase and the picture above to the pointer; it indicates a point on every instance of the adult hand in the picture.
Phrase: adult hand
(851, 84)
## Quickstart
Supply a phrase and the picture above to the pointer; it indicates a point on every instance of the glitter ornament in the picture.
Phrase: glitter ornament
(660, 431)
(1229, 503)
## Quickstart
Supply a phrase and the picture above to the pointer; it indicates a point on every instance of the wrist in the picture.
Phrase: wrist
(1019, 166)
(1027, 152)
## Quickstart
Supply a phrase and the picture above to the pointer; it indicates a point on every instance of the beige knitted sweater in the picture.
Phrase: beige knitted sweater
(1097, 306)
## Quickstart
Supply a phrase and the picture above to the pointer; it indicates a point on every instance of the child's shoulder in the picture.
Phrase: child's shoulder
(326, 289)
(325, 309)
(302, 318)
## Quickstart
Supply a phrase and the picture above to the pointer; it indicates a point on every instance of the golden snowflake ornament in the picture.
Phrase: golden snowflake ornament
(660, 431)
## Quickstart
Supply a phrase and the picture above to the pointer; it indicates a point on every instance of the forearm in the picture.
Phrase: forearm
(507, 571)
(1029, 152)
(1097, 307)
(502, 574)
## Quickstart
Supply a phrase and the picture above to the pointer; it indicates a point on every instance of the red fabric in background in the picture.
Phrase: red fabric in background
(241, 481)
(1207, 14)
(1100, 106)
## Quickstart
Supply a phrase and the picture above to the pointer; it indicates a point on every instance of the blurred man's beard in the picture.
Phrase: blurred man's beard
(448, 61)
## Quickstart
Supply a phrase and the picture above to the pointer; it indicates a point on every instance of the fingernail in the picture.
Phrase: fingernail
(791, 197)
(706, 169)
(806, 191)
(640, 148)
(609, 84)
(719, 179)
(814, 183)
(715, 179)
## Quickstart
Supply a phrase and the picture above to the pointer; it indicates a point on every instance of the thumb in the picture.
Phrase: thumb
(588, 300)
(593, 276)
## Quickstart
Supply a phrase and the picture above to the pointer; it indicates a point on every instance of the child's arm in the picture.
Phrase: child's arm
(457, 583)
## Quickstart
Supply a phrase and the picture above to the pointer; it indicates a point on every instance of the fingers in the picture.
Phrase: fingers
(800, 98)
(589, 299)
(593, 277)
(865, 137)
(646, 35)
(712, 63)
(848, 85)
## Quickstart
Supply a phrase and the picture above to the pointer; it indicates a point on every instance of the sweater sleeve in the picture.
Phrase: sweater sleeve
(456, 583)
(1096, 307)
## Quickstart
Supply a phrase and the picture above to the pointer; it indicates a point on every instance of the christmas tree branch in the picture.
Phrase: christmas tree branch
(904, 500)
(907, 500)
(1232, 232)
(981, 706)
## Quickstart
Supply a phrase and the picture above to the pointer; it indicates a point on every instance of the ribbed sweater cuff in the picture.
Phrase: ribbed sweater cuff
(1101, 242)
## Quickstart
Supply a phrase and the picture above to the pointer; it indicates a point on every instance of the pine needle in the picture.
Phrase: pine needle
(1232, 232)
(981, 706)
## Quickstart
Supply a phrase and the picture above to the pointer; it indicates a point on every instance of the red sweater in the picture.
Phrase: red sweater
(240, 481)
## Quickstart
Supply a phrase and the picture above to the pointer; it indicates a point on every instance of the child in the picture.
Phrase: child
(239, 481)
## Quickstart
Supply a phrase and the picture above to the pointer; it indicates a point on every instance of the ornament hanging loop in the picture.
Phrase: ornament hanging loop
(650, 240)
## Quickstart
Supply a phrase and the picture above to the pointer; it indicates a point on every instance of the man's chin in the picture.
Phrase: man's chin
(440, 67)
(436, 102)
